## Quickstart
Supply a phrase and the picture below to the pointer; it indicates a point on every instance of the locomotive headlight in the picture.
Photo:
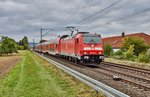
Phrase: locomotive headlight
(100, 52)
(85, 52)
(86, 57)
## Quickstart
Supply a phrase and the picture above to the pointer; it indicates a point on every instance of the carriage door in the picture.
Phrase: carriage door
(76, 46)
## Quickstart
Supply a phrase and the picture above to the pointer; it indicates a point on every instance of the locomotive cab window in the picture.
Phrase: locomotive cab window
(91, 39)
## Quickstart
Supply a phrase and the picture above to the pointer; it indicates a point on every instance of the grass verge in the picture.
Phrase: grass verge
(34, 77)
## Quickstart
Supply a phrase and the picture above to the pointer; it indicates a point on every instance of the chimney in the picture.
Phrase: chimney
(123, 34)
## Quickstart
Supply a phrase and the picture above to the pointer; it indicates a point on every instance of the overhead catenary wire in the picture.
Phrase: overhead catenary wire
(74, 15)
(108, 11)
(63, 28)
(136, 13)
(128, 16)
(87, 18)
(104, 13)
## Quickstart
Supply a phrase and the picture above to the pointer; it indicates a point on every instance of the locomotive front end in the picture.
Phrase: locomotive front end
(92, 50)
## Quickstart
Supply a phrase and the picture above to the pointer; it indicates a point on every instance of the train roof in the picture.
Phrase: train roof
(52, 41)
(85, 34)
(91, 34)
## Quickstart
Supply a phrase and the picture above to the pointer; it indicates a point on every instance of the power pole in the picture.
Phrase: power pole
(41, 31)
(33, 44)
(41, 38)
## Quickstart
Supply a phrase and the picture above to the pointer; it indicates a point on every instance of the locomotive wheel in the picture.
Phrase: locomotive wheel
(77, 60)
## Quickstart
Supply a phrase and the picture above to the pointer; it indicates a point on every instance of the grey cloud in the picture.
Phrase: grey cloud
(20, 18)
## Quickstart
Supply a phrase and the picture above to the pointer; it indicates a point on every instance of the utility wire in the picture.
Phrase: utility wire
(88, 3)
(102, 10)
(71, 16)
(136, 13)
(99, 11)
(107, 12)
(129, 16)
(83, 8)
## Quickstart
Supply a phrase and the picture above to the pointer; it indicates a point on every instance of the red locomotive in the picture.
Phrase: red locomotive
(82, 47)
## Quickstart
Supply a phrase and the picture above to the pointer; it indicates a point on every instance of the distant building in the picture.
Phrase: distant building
(117, 41)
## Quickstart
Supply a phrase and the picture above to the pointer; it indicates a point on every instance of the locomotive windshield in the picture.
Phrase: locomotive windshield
(91, 39)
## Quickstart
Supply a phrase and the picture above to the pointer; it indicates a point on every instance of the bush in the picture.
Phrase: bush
(148, 52)
(108, 50)
(126, 55)
(129, 54)
(139, 45)
(20, 47)
(118, 55)
(145, 58)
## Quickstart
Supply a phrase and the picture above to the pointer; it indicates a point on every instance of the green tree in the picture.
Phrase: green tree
(108, 50)
(8, 45)
(20, 42)
(137, 43)
(1, 51)
(24, 42)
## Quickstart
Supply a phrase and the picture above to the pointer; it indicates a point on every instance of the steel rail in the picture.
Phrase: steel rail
(107, 90)
(137, 69)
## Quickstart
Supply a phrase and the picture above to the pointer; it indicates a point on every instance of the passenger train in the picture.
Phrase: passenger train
(83, 47)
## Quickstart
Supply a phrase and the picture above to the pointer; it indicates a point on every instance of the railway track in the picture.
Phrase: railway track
(136, 76)
(133, 80)
(129, 68)
(136, 80)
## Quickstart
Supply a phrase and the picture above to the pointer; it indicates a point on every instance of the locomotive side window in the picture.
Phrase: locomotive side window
(77, 40)
(91, 39)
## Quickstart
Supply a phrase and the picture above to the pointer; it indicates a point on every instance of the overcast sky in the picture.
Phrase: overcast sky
(19, 18)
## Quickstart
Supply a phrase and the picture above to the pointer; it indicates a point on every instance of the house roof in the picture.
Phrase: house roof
(117, 41)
